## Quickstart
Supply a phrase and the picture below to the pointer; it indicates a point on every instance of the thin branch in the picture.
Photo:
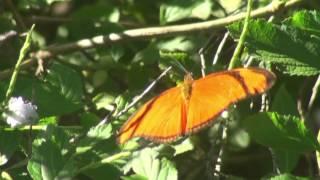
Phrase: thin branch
(314, 93)
(218, 52)
(152, 32)
(7, 35)
(138, 98)
(203, 63)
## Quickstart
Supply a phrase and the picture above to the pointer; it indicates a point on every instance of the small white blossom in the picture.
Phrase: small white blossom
(21, 112)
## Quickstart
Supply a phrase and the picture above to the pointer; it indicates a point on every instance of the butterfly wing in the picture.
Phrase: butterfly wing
(161, 119)
(214, 93)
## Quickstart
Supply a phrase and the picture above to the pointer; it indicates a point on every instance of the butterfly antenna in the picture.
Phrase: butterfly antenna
(180, 66)
(139, 97)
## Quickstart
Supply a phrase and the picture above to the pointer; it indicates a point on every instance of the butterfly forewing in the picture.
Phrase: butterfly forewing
(160, 119)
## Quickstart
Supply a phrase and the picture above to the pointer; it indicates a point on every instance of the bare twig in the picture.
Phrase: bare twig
(203, 63)
(201, 54)
(145, 33)
(7, 35)
(314, 93)
(218, 52)
(138, 98)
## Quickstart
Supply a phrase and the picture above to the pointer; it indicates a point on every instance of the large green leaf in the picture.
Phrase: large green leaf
(283, 103)
(94, 19)
(281, 132)
(293, 50)
(285, 160)
(50, 158)
(59, 93)
(9, 143)
(288, 177)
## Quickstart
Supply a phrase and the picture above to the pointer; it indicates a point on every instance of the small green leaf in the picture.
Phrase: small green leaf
(94, 136)
(180, 44)
(183, 9)
(48, 120)
(281, 132)
(147, 164)
(104, 101)
(183, 147)
(100, 132)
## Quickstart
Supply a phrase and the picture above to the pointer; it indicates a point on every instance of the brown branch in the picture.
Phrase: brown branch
(151, 32)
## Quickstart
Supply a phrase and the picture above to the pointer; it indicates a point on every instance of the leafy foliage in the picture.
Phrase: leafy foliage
(294, 51)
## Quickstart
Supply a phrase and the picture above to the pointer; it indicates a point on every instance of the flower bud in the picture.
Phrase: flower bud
(21, 112)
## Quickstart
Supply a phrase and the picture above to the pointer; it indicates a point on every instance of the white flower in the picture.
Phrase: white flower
(21, 112)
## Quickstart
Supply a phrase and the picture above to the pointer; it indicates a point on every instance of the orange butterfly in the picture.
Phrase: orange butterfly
(192, 105)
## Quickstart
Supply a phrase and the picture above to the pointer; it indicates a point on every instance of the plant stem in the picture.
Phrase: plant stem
(238, 49)
(16, 70)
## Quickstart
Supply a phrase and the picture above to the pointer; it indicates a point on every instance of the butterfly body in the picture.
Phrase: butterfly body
(189, 107)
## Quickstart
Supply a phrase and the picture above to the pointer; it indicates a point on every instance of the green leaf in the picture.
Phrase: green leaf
(283, 103)
(183, 147)
(106, 171)
(95, 135)
(293, 51)
(96, 19)
(147, 164)
(181, 43)
(88, 119)
(183, 9)
(100, 132)
(286, 160)
(104, 101)
(50, 159)
(48, 120)
(148, 55)
(307, 21)
(281, 132)
(59, 93)
(64, 90)
(134, 177)
(9, 143)
(287, 177)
